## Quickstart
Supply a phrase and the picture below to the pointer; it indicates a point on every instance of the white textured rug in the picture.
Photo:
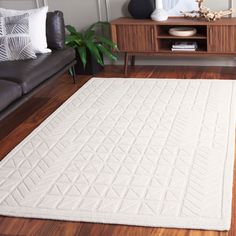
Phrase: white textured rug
(146, 152)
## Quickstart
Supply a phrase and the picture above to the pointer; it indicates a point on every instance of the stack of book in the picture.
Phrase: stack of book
(184, 46)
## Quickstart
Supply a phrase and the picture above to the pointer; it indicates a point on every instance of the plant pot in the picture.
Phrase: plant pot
(91, 68)
(141, 9)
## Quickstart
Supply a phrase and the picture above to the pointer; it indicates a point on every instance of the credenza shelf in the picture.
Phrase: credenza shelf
(166, 36)
(147, 37)
(199, 51)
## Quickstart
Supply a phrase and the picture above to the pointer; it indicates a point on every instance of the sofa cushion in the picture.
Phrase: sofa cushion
(31, 73)
(9, 92)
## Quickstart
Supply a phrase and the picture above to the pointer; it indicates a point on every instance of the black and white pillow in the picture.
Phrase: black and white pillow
(15, 42)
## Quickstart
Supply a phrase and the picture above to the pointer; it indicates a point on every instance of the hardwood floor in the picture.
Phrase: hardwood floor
(29, 116)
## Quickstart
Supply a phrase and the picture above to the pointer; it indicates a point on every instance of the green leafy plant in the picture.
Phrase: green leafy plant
(90, 41)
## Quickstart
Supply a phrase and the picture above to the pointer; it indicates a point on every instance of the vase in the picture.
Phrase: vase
(141, 9)
(159, 14)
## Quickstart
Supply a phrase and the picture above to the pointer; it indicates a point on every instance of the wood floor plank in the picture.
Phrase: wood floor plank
(130, 231)
(50, 228)
(90, 229)
(11, 226)
(33, 113)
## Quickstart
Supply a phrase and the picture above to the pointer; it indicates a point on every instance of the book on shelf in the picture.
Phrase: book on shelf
(184, 49)
(184, 45)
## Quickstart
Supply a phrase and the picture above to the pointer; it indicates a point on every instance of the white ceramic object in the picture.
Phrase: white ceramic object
(174, 7)
(159, 14)
(182, 31)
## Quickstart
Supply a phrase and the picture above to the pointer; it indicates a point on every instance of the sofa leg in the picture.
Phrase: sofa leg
(72, 73)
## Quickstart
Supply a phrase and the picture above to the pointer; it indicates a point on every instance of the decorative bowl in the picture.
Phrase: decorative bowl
(182, 31)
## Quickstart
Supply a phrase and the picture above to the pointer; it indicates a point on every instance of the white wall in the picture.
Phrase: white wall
(82, 13)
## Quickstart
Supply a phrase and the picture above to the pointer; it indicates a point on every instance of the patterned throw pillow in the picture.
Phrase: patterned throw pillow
(15, 43)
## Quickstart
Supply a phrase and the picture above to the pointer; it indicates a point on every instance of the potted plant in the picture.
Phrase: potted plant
(90, 48)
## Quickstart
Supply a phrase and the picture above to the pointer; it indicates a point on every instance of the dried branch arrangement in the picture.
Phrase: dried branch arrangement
(207, 14)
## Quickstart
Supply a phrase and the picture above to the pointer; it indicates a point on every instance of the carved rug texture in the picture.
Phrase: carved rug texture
(147, 152)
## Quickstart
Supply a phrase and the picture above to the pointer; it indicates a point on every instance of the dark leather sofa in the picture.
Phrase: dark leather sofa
(19, 80)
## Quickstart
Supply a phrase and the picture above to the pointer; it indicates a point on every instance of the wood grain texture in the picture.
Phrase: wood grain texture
(132, 38)
(222, 39)
(113, 34)
(22, 123)
(149, 37)
(173, 21)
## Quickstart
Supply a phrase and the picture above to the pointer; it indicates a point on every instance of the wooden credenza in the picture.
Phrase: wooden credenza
(147, 37)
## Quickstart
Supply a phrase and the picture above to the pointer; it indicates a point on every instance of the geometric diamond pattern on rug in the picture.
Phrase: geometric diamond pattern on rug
(148, 152)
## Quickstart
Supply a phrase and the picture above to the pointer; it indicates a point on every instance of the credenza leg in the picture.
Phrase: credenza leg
(133, 61)
(126, 63)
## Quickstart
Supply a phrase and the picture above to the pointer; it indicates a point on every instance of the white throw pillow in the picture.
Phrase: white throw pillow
(15, 43)
(37, 26)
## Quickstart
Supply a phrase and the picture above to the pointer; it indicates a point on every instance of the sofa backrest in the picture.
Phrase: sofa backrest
(55, 30)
